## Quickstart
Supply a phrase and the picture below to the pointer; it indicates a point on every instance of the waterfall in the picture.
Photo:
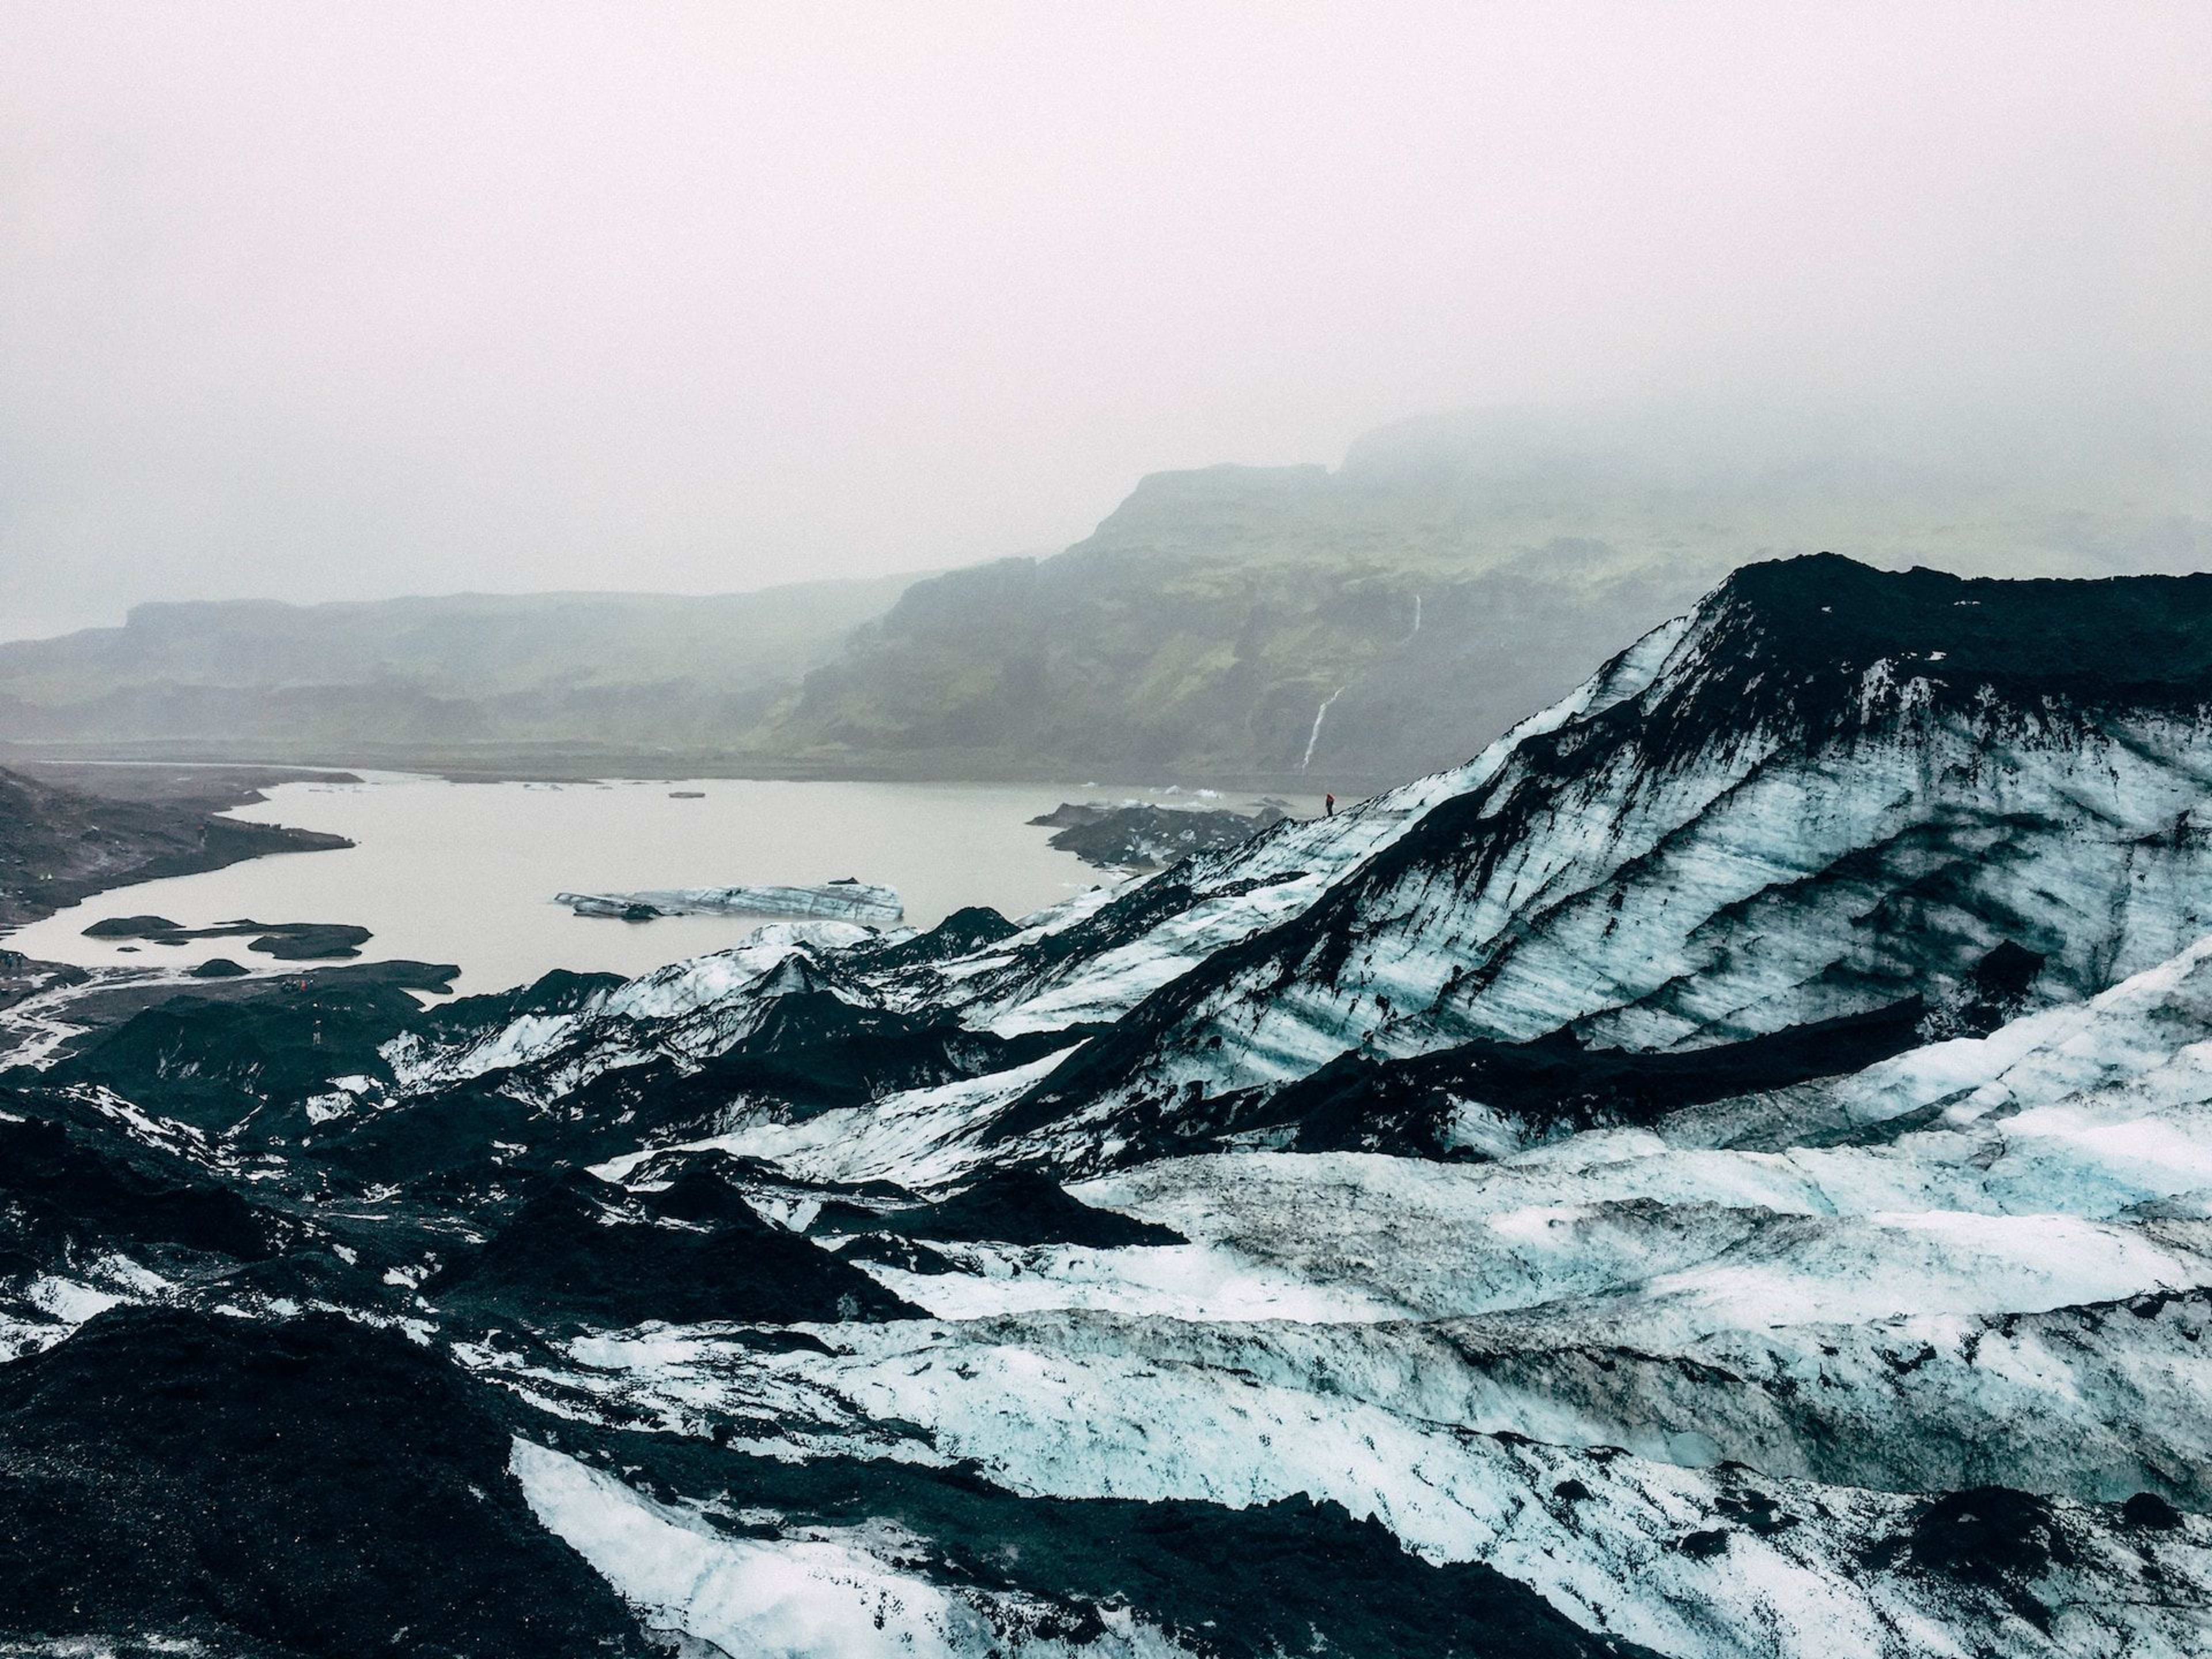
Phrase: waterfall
(1319, 714)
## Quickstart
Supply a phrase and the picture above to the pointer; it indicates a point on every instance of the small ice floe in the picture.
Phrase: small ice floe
(846, 900)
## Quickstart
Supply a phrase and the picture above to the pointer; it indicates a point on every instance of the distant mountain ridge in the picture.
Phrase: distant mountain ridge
(1345, 628)
(1372, 623)
(462, 673)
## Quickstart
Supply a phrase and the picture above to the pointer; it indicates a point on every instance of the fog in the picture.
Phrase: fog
(348, 301)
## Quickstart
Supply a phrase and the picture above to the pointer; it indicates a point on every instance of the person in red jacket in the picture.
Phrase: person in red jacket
(1328, 804)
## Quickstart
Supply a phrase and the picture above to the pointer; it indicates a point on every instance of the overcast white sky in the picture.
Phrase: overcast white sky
(343, 301)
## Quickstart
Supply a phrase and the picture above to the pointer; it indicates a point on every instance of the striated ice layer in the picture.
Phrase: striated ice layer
(1817, 1358)
(838, 1593)
(1687, 1389)
(846, 901)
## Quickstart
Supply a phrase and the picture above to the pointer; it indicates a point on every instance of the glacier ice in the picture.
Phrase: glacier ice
(1893, 1345)
(843, 901)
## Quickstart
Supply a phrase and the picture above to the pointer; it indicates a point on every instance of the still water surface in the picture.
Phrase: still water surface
(466, 873)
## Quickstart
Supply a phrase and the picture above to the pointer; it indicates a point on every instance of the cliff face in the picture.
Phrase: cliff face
(1386, 619)
(1174, 643)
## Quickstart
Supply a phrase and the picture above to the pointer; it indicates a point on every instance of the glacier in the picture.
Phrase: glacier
(1726, 1171)
(843, 901)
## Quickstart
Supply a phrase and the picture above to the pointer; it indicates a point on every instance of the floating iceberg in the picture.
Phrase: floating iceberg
(848, 900)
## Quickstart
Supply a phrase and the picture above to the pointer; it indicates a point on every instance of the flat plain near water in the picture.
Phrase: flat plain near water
(466, 873)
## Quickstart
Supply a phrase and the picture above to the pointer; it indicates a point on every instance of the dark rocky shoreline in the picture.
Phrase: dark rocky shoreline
(60, 844)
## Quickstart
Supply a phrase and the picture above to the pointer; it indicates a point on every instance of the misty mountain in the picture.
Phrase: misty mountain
(1347, 629)
(1379, 621)
(469, 676)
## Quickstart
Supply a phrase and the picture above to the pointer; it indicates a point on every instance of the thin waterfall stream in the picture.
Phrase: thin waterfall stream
(1319, 714)
(1322, 714)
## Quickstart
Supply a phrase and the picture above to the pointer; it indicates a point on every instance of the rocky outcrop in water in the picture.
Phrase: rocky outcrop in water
(287, 941)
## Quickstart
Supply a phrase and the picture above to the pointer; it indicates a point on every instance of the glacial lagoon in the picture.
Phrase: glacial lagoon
(467, 873)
